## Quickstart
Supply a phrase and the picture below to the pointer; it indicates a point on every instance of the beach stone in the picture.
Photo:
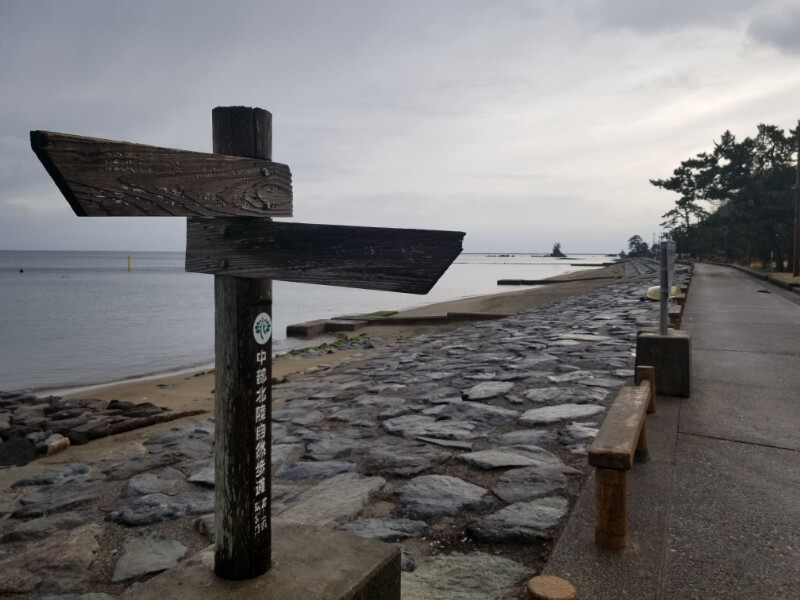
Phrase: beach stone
(42, 527)
(513, 456)
(63, 474)
(166, 481)
(126, 469)
(460, 445)
(429, 495)
(314, 470)
(334, 447)
(561, 395)
(206, 525)
(427, 426)
(335, 500)
(203, 473)
(145, 552)
(54, 444)
(281, 452)
(59, 562)
(476, 576)
(54, 499)
(157, 507)
(562, 412)
(476, 411)
(403, 460)
(488, 389)
(570, 376)
(575, 433)
(386, 530)
(16, 451)
(602, 382)
(518, 485)
(89, 596)
(520, 522)
(525, 437)
(17, 580)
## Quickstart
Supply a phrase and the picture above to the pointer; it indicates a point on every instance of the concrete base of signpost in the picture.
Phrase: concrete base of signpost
(308, 562)
(671, 355)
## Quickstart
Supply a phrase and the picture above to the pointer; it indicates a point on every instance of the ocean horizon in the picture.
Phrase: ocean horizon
(79, 318)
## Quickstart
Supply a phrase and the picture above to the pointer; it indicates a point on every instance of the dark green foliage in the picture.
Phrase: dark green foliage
(737, 202)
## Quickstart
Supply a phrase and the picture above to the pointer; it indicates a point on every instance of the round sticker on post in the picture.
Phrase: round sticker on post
(262, 328)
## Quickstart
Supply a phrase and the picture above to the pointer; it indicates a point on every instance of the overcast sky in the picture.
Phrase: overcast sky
(520, 123)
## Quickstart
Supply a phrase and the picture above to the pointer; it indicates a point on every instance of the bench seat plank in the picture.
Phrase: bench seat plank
(615, 444)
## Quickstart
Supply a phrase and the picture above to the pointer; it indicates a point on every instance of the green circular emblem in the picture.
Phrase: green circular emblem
(262, 328)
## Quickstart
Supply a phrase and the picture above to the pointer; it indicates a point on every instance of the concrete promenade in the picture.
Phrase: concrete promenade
(715, 513)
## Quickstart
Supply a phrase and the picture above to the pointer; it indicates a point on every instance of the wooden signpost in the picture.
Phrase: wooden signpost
(229, 197)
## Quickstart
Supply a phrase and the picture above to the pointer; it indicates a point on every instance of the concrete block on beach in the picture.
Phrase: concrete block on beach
(309, 562)
(671, 355)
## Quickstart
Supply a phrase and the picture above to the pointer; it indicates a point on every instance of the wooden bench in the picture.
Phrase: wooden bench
(622, 435)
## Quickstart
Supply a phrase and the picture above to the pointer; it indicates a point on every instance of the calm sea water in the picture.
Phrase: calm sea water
(79, 318)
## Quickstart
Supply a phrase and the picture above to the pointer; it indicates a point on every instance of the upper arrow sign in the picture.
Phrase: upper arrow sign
(102, 178)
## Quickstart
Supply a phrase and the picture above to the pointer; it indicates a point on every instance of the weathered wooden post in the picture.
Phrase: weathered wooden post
(221, 193)
(243, 388)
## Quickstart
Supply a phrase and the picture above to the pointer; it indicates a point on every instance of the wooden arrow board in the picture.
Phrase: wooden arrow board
(102, 178)
(373, 258)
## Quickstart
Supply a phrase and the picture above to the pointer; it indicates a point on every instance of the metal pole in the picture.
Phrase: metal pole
(796, 253)
(667, 267)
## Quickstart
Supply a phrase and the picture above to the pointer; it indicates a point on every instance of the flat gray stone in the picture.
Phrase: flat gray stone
(42, 527)
(527, 437)
(281, 452)
(145, 552)
(166, 481)
(562, 412)
(476, 576)
(563, 395)
(575, 433)
(402, 459)
(60, 561)
(459, 445)
(488, 389)
(314, 470)
(335, 500)
(336, 446)
(519, 485)
(513, 456)
(430, 495)
(428, 426)
(386, 530)
(63, 474)
(53, 499)
(570, 376)
(520, 522)
(476, 411)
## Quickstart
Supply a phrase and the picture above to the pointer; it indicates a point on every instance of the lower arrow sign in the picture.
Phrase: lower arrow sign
(374, 258)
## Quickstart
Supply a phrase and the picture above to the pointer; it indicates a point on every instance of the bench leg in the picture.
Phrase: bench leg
(640, 453)
(611, 507)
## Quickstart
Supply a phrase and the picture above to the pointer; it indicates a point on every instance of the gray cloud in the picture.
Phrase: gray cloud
(647, 16)
(778, 29)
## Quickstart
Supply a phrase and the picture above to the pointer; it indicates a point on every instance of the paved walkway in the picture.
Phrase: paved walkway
(716, 511)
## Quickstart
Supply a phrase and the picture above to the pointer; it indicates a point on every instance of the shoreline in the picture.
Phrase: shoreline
(192, 388)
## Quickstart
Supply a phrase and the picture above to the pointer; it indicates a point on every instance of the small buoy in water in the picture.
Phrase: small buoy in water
(654, 293)
(22, 270)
